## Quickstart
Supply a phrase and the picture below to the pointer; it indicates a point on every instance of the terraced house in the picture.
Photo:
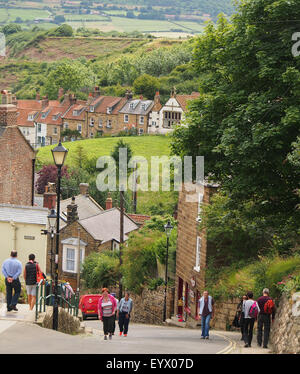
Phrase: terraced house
(135, 114)
(103, 114)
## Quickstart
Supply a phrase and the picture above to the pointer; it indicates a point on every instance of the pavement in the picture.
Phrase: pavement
(20, 334)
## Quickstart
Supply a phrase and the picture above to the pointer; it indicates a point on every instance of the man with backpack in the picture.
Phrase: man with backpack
(251, 310)
(267, 309)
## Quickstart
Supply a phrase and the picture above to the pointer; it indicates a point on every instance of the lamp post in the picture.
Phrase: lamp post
(51, 221)
(59, 154)
(168, 229)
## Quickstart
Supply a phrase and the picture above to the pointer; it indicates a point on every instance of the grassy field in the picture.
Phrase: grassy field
(25, 14)
(145, 146)
(160, 202)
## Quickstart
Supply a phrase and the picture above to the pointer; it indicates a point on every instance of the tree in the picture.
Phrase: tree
(64, 30)
(11, 28)
(59, 19)
(247, 117)
(47, 174)
(146, 85)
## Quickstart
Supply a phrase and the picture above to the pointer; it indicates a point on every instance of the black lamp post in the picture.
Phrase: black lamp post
(52, 221)
(59, 154)
(168, 228)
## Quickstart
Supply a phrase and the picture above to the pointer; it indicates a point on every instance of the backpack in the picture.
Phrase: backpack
(253, 312)
(269, 306)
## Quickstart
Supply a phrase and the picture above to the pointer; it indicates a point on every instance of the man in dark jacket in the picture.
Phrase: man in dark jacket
(264, 319)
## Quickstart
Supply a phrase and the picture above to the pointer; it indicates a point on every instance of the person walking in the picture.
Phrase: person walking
(125, 308)
(239, 316)
(267, 309)
(30, 277)
(11, 269)
(250, 310)
(206, 312)
(116, 313)
(106, 311)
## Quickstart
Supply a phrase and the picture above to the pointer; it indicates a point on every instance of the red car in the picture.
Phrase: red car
(88, 304)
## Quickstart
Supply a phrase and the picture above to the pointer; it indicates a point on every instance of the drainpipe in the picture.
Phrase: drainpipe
(32, 181)
(14, 229)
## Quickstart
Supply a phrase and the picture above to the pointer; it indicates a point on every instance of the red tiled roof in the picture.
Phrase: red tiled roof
(22, 118)
(139, 219)
(29, 104)
(183, 99)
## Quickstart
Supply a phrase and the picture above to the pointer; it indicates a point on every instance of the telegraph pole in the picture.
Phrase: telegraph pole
(121, 238)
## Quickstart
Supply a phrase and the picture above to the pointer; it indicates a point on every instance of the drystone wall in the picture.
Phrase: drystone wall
(285, 333)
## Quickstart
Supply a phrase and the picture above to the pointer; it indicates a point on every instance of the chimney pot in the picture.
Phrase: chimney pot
(109, 203)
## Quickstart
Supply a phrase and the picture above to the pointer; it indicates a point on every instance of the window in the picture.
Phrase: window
(70, 261)
(92, 122)
(30, 117)
(108, 124)
(91, 135)
(131, 106)
(92, 108)
(141, 131)
(200, 199)
(55, 131)
(126, 118)
(100, 123)
(66, 125)
(79, 128)
(39, 127)
(142, 119)
(198, 253)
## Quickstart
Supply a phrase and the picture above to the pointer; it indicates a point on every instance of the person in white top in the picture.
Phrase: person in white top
(248, 319)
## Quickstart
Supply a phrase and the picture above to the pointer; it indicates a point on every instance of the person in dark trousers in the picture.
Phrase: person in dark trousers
(206, 312)
(125, 307)
(116, 313)
(11, 269)
(239, 316)
(106, 311)
(248, 320)
(29, 275)
(264, 318)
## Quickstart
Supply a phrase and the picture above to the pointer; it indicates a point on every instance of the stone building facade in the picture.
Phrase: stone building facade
(192, 250)
(17, 162)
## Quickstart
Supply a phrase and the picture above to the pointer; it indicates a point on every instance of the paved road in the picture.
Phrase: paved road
(25, 337)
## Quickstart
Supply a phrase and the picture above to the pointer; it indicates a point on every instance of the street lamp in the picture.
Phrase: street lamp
(168, 229)
(59, 154)
(51, 222)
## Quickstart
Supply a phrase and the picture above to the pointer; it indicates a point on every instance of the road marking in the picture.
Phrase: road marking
(229, 348)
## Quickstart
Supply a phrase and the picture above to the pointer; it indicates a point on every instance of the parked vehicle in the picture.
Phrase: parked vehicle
(88, 304)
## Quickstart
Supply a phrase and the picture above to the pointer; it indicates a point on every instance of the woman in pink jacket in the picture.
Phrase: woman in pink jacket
(106, 311)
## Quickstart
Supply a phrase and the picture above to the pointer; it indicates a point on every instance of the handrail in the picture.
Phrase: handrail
(44, 297)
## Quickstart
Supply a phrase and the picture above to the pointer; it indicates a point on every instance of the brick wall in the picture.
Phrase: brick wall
(16, 167)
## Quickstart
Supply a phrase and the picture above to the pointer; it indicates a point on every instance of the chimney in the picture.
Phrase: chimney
(108, 204)
(157, 98)
(50, 196)
(72, 213)
(14, 100)
(128, 95)
(8, 111)
(173, 92)
(90, 99)
(45, 102)
(84, 189)
(96, 92)
(72, 99)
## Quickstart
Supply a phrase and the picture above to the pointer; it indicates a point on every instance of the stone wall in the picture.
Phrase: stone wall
(285, 333)
(148, 307)
(224, 314)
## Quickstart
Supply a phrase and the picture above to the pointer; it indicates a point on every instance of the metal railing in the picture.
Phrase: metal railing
(45, 297)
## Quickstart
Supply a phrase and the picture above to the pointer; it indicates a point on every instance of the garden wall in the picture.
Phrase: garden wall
(224, 314)
(285, 333)
(149, 305)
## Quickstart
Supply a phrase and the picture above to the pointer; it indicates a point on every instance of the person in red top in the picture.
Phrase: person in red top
(107, 307)
(264, 319)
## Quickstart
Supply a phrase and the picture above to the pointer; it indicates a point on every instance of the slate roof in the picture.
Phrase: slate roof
(23, 214)
(106, 225)
(86, 207)
(137, 106)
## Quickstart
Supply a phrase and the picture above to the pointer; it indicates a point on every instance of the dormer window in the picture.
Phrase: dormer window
(109, 110)
(131, 106)
(92, 108)
(30, 117)
(75, 113)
